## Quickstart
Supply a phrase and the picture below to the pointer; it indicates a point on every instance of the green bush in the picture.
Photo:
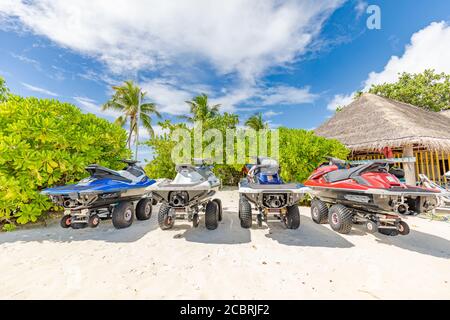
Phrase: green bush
(44, 143)
(300, 152)
(4, 91)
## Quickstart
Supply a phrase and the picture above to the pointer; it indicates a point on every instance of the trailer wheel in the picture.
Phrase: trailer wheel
(78, 225)
(245, 213)
(340, 218)
(388, 232)
(292, 218)
(212, 215)
(144, 209)
(165, 221)
(259, 219)
(66, 221)
(123, 214)
(93, 221)
(319, 211)
(371, 227)
(403, 228)
(195, 220)
(219, 204)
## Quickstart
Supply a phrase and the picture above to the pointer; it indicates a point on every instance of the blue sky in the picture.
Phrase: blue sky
(292, 60)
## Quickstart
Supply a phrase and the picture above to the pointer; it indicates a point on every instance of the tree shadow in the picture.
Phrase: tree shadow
(104, 232)
(309, 234)
(229, 231)
(417, 241)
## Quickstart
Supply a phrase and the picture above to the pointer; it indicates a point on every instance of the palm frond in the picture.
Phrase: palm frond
(147, 123)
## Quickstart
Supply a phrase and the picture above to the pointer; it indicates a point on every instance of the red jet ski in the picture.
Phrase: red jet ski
(367, 193)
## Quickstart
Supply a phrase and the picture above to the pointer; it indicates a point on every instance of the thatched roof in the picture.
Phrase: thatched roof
(372, 122)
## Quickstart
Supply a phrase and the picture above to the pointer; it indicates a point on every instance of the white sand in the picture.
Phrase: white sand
(144, 262)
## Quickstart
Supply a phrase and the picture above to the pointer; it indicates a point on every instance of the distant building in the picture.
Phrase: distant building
(372, 123)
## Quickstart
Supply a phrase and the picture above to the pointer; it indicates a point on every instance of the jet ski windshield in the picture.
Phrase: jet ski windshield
(131, 174)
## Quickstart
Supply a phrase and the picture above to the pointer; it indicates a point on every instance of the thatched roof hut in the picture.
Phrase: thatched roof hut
(372, 122)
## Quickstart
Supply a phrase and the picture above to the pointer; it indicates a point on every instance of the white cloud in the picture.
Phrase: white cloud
(25, 59)
(360, 7)
(91, 106)
(39, 90)
(167, 96)
(285, 95)
(242, 36)
(271, 113)
(429, 49)
(145, 135)
(340, 100)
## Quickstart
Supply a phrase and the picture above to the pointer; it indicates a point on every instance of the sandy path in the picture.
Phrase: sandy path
(144, 262)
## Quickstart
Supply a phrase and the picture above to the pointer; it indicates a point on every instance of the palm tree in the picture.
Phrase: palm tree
(200, 109)
(128, 99)
(256, 122)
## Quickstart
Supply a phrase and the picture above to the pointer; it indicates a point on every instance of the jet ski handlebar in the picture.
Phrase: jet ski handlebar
(129, 162)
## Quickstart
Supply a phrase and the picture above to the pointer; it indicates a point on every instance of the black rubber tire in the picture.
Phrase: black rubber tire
(340, 218)
(292, 218)
(388, 232)
(123, 215)
(319, 211)
(371, 227)
(212, 215)
(65, 221)
(403, 228)
(78, 225)
(93, 221)
(259, 220)
(144, 209)
(195, 220)
(219, 204)
(163, 218)
(245, 213)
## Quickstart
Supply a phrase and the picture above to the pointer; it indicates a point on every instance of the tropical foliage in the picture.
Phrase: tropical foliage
(300, 150)
(256, 122)
(162, 165)
(3, 90)
(201, 110)
(44, 143)
(130, 101)
(428, 90)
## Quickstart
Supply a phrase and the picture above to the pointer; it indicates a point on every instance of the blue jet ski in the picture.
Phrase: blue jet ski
(264, 188)
(105, 193)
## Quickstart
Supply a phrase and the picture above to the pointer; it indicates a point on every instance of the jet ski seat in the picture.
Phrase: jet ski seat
(121, 175)
(341, 174)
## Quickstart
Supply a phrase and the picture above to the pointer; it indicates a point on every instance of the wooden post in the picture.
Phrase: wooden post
(409, 167)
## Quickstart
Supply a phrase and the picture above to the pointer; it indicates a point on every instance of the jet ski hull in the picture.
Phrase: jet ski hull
(368, 193)
(187, 196)
(264, 189)
(105, 194)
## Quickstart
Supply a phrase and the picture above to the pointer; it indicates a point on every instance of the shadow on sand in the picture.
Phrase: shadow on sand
(416, 241)
(229, 231)
(104, 232)
(309, 234)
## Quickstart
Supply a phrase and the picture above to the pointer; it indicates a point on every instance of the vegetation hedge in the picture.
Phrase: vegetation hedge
(44, 143)
(300, 152)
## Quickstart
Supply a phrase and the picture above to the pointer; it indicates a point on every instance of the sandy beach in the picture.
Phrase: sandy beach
(144, 262)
